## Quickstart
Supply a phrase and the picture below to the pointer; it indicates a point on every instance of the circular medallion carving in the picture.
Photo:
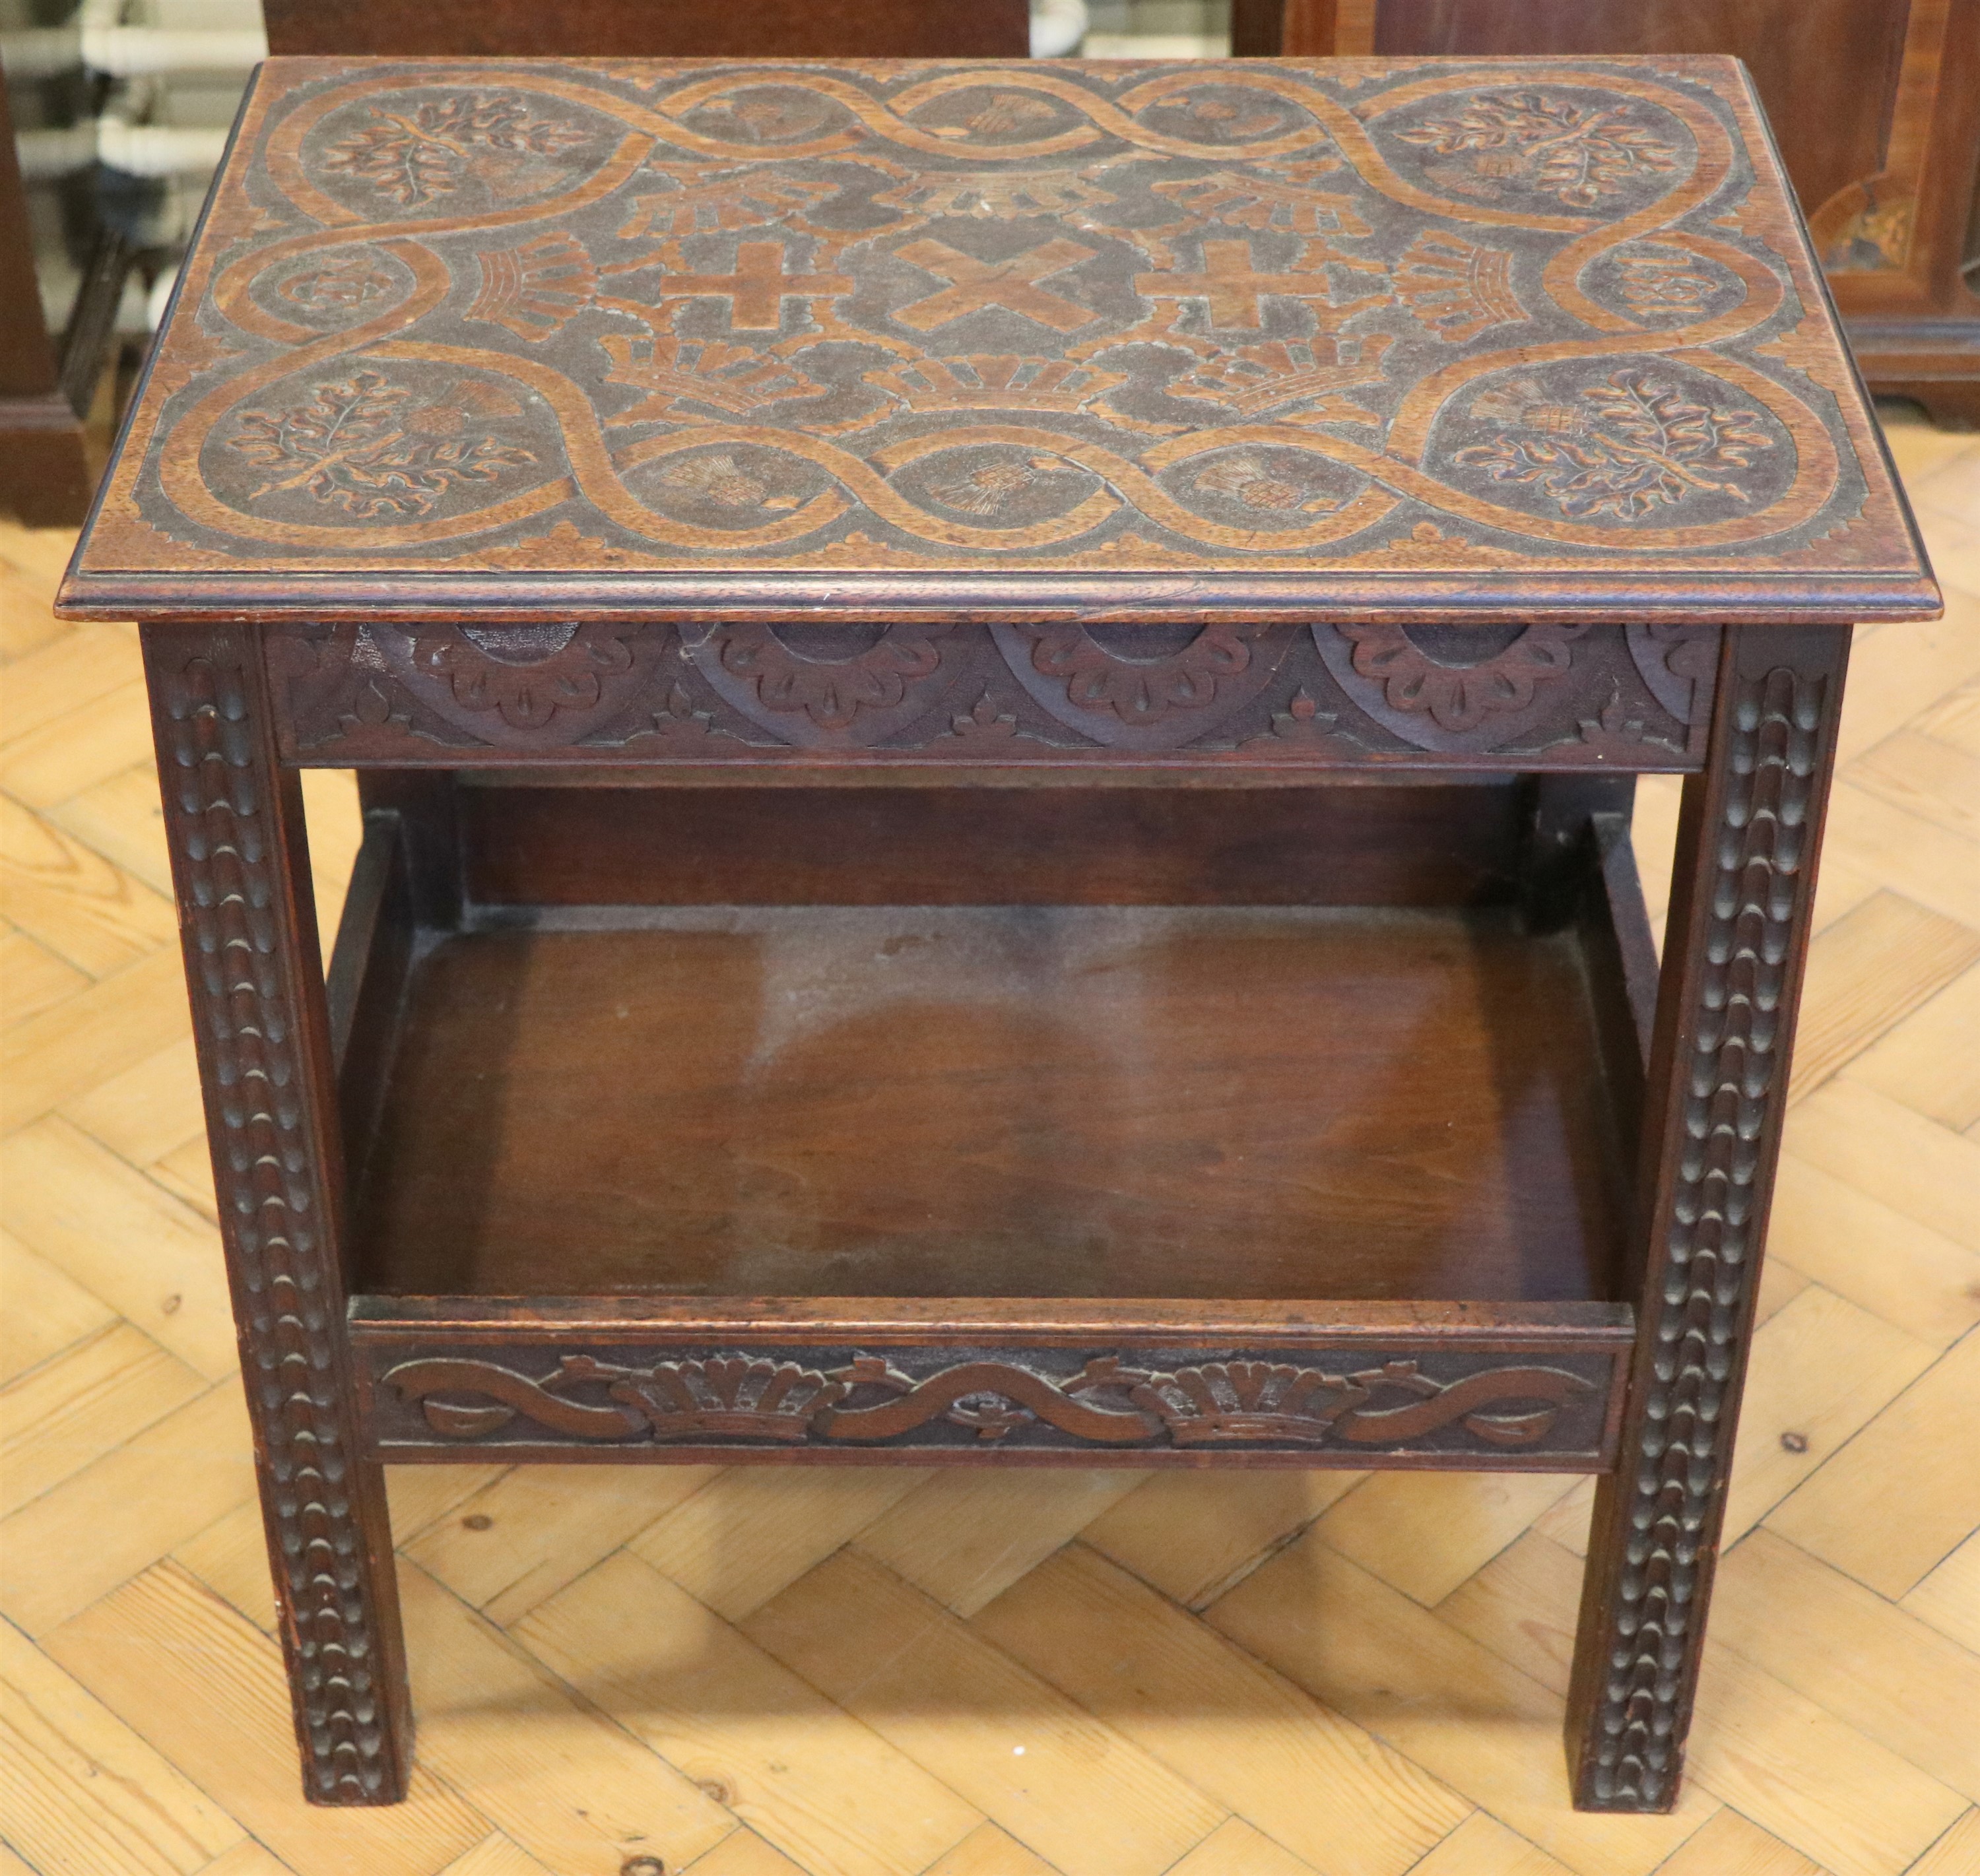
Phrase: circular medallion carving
(1450, 687)
(1143, 687)
(523, 686)
(821, 686)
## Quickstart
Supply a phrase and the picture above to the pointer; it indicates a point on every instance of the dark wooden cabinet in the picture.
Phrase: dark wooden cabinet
(44, 466)
(996, 707)
(1875, 103)
(650, 28)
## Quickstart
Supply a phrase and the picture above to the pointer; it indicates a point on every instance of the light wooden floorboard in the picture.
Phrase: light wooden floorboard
(754, 1672)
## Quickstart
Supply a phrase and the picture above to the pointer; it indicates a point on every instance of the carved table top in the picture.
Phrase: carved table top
(581, 338)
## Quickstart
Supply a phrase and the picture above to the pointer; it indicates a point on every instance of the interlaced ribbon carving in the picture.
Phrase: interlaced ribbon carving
(1628, 431)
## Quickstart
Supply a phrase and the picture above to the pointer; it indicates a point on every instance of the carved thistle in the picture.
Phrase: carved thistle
(1551, 1404)
(1637, 1660)
(224, 818)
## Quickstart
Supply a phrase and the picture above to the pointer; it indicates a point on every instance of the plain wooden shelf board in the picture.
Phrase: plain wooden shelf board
(1130, 1102)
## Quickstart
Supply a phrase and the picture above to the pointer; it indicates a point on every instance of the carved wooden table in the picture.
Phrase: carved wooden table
(997, 707)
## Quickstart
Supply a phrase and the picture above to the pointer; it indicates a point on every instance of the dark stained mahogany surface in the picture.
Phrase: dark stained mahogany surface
(582, 337)
(1032, 1100)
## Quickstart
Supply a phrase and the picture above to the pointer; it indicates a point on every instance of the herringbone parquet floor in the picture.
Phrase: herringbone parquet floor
(893, 1673)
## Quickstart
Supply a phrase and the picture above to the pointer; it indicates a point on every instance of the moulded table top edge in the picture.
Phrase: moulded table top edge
(1728, 598)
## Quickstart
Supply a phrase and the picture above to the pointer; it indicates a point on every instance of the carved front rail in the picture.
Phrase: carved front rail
(1534, 1406)
(1234, 696)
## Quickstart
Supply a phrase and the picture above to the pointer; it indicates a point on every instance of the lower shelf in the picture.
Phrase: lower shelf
(1264, 1184)
(998, 1101)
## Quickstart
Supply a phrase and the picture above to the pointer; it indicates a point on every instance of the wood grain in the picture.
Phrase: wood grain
(1009, 1148)
(769, 1747)
(900, 1663)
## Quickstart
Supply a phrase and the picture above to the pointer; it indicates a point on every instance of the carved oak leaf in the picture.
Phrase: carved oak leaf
(412, 155)
(1643, 445)
(1578, 153)
(362, 445)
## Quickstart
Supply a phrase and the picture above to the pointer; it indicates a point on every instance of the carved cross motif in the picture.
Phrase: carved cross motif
(1230, 286)
(974, 284)
(757, 289)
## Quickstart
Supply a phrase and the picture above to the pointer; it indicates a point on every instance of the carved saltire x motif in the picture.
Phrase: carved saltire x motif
(1013, 284)
(1513, 306)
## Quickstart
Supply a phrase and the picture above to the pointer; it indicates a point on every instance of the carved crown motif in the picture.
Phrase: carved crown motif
(700, 200)
(1000, 196)
(731, 378)
(1252, 200)
(1226, 1402)
(1108, 1403)
(1455, 288)
(982, 381)
(737, 1396)
(1257, 378)
(536, 289)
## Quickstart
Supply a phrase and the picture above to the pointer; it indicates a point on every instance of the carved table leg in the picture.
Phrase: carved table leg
(1743, 890)
(240, 867)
